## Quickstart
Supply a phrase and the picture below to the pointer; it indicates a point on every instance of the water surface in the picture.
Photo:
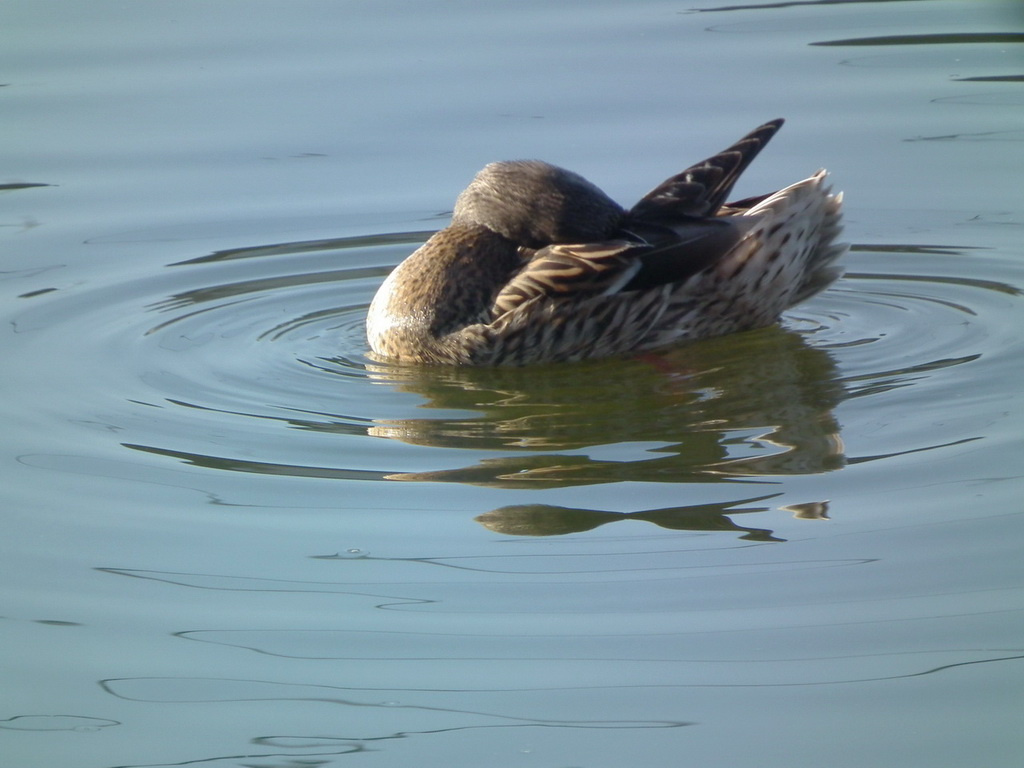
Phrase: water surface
(232, 538)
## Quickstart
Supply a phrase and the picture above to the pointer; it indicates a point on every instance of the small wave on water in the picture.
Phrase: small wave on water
(225, 349)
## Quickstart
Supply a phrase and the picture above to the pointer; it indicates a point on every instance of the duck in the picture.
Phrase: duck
(539, 265)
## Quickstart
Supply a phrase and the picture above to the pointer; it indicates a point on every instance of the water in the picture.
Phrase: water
(233, 539)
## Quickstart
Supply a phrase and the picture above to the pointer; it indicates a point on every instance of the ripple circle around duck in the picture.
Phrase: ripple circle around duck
(240, 342)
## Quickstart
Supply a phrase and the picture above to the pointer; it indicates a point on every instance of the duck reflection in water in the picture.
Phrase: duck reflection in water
(738, 408)
(743, 406)
(551, 520)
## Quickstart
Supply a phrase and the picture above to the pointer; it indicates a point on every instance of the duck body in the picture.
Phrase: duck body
(539, 265)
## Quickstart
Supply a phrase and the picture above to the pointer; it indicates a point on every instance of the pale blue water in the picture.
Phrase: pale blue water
(232, 539)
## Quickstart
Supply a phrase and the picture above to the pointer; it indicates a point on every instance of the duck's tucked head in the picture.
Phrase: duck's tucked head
(535, 204)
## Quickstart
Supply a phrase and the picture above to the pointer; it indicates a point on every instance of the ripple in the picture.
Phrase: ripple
(78, 723)
(233, 346)
(923, 322)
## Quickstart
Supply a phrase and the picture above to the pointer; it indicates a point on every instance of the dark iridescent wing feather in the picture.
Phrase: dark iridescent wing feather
(702, 189)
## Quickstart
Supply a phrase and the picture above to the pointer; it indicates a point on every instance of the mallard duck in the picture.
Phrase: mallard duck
(539, 265)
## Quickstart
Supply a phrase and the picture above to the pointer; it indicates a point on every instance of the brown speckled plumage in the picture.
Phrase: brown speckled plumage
(539, 265)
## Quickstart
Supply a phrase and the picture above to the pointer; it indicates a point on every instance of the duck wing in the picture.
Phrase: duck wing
(565, 271)
(701, 189)
(679, 252)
